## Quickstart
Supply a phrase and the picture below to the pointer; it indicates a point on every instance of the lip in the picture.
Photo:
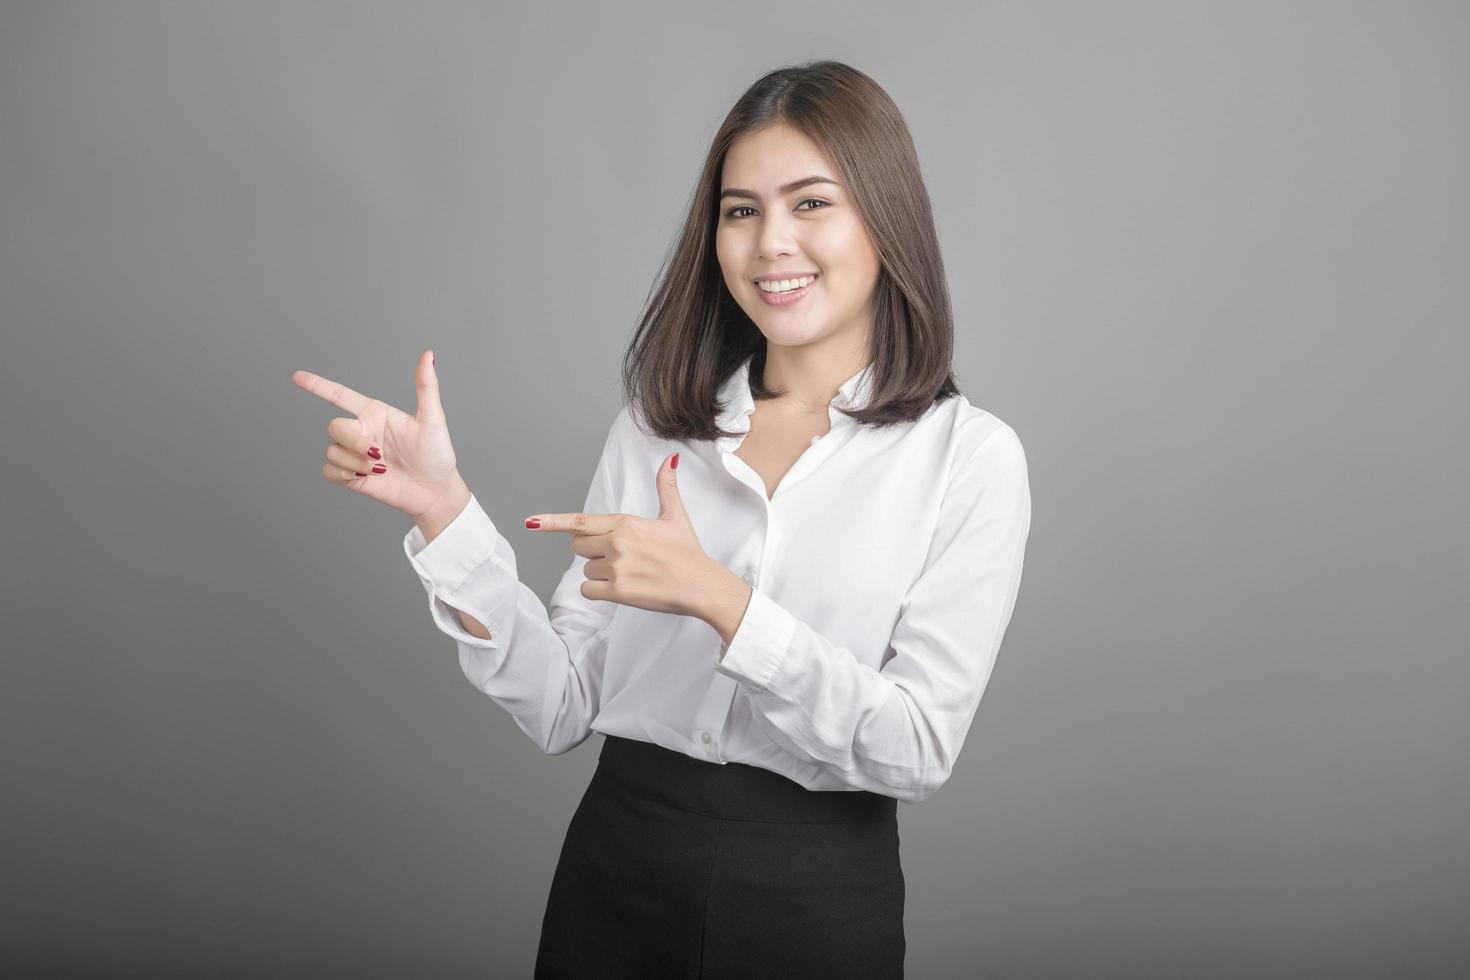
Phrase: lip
(786, 299)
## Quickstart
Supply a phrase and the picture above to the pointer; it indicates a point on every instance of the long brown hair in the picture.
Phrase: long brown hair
(692, 333)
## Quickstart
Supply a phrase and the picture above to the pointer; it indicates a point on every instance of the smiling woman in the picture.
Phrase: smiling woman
(794, 565)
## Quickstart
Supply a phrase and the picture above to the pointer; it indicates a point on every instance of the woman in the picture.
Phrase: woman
(791, 574)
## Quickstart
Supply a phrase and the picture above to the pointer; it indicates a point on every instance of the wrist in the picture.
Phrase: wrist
(443, 511)
(725, 602)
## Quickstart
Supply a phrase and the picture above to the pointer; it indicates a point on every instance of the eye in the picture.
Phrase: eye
(745, 207)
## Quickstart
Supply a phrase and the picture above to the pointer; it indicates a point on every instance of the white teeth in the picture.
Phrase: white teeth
(785, 284)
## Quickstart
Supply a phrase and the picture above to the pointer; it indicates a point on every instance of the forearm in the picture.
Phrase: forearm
(472, 625)
(433, 523)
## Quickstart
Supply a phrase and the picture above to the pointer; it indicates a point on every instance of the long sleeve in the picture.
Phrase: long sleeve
(544, 668)
(898, 730)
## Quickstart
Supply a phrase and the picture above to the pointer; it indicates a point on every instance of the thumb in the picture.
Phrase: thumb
(670, 504)
(430, 408)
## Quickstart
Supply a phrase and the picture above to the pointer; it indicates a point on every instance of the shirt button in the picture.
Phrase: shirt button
(749, 579)
(706, 737)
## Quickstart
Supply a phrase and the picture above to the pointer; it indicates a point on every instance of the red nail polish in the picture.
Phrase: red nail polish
(380, 468)
(375, 452)
(674, 463)
(532, 522)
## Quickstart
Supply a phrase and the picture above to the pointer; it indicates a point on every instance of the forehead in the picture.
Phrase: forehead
(769, 157)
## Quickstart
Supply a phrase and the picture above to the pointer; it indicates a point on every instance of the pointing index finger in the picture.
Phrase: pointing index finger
(335, 392)
(575, 523)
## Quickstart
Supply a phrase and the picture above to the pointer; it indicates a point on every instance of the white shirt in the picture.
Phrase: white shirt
(884, 570)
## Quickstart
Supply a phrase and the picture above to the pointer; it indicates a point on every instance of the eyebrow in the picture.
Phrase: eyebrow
(784, 189)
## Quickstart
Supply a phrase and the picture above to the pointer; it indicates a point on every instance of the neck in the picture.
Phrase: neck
(809, 379)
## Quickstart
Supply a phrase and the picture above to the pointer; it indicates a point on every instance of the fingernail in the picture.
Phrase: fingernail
(674, 463)
(533, 522)
(360, 474)
(375, 452)
(380, 468)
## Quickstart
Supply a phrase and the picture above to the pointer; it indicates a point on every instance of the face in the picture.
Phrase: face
(810, 229)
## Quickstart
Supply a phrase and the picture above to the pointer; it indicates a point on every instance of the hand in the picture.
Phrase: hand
(651, 563)
(417, 468)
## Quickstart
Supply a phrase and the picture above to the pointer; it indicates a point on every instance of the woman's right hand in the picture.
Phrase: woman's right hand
(419, 471)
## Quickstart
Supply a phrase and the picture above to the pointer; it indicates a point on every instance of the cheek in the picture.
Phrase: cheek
(852, 239)
(854, 260)
(728, 254)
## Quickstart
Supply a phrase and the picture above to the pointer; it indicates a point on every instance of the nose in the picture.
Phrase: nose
(776, 235)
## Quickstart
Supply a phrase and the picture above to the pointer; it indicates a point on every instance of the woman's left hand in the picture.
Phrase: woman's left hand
(652, 563)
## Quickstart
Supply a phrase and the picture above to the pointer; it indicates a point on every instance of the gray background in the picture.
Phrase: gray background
(1207, 259)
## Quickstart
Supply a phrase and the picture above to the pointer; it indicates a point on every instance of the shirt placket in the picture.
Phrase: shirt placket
(714, 710)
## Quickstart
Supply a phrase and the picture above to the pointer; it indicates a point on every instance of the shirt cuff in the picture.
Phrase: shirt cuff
(447, 619)
(760, 642)
(464, 545)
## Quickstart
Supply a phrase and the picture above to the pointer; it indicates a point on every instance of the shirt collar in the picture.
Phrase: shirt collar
(735, 395)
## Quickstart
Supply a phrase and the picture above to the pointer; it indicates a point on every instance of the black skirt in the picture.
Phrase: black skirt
(678, 868)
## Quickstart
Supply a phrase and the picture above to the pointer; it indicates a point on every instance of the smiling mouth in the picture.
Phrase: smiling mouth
(787, 297)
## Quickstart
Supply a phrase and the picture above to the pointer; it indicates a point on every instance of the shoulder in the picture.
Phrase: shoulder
(626, 446)
(980, 460)
(621, 428)
(974, 436)
(621, 437)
